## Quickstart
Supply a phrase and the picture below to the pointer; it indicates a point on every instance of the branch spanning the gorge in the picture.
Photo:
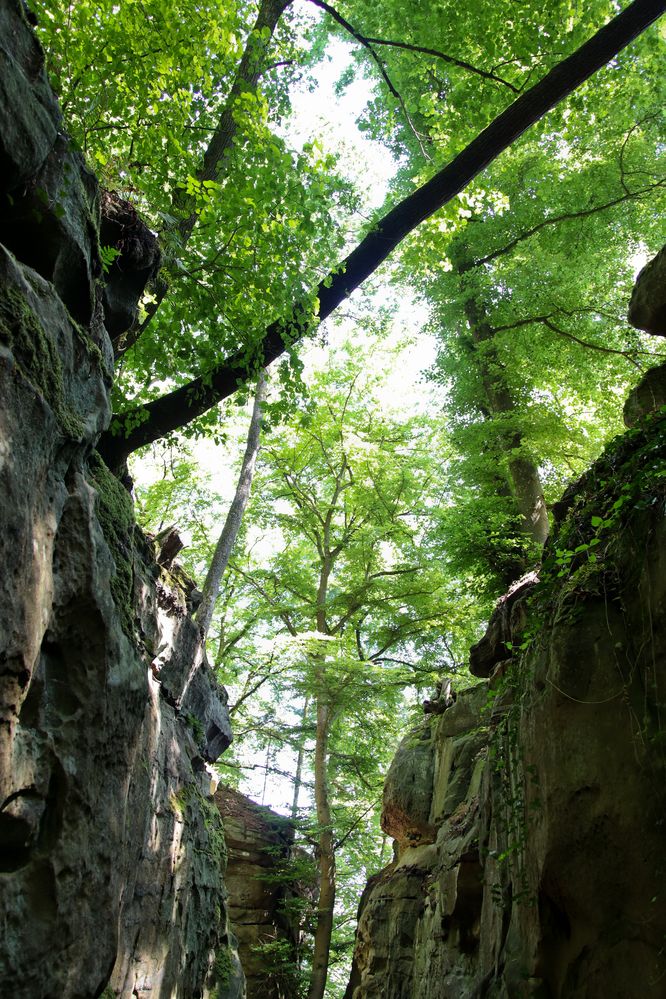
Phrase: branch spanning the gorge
(145, 424)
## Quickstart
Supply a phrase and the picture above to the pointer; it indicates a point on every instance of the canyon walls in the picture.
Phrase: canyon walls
(111, 849)
(528, 815)
(270, 882)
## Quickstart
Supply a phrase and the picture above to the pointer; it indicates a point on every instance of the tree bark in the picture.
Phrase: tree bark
(326, 850)
(325, 844)
(247, 76)
(234, 519)
(298, 778)
(524, 474)
(148, 423)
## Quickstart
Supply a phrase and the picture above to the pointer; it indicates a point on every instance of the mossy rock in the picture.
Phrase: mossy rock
(115, 512)
(36, 356)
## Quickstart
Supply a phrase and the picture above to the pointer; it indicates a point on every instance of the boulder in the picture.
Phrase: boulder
(505, 626)
(648, 396)
(408, 789)
(647, 307)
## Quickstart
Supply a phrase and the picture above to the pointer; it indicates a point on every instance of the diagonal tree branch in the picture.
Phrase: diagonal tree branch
(547, 321)
(145, 424)
(460, 63)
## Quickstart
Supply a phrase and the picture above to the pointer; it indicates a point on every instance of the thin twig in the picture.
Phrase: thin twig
(362, 40)
(555, 220)
(409, 47)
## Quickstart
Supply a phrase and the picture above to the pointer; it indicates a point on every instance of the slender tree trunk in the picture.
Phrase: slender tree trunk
(266, 769)
(232, 524)
(298, 779)
(326, 904)
(250, 68)
(326, 846)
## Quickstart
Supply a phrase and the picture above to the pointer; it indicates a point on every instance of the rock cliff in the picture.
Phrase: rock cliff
(529, 816)
(266, 892)
(111, 849)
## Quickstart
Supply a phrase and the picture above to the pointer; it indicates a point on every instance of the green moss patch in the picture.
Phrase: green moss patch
(115, 512)
(186, 803)
(36, 356)
(222, 970)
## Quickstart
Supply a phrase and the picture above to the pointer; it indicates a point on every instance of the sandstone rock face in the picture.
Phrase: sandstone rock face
(419, 919)
(648, 396)
(505, 625)
(546, 872)
(647, 308)
(647, 311)
(111, 851)
(260, 844)
(408, 789)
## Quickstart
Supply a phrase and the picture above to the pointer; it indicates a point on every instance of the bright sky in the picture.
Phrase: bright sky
(332, 119)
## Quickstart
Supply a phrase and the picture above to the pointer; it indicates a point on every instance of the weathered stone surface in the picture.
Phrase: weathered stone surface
(50, 200)
(137, 262)
(29, 115)
(506, 623)
(111, 851)
(547, 871)
(261, 845)
(648, 396)
(419, 919)
(408, 789)
(647, 308)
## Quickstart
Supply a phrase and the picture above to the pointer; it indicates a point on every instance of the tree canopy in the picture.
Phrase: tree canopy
(254, 229)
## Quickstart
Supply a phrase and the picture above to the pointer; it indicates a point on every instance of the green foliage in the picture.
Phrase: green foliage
(374, 544)
(107, 255)
(629, 476)
(527, 273)
(143, 87)
(281, 968)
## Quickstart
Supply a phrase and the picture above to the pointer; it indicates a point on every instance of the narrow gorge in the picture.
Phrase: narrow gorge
(528, 815)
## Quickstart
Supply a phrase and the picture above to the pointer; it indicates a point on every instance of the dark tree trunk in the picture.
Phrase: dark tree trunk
(249, 70)
(326, 851)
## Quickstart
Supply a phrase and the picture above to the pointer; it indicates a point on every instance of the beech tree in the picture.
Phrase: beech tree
(529, 310)
(295, 309)
(527, 272)
(345, 611)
